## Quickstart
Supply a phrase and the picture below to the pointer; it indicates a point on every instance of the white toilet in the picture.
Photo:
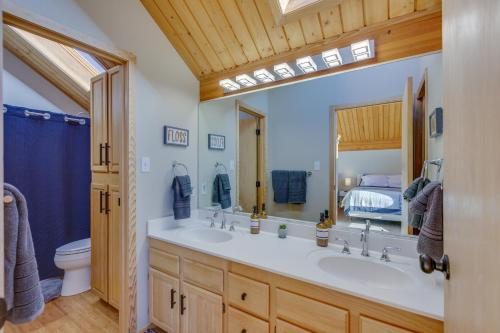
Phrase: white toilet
(74, 259)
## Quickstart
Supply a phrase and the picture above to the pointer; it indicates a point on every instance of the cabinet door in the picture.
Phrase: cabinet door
(116, 104)
(284, 327)
(98, 125)
(164, 301)
(99, 240)
(369, 325)
(201, 310)
(114, 246)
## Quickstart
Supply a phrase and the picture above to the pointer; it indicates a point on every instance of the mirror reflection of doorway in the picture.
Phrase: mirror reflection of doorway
(250, 158)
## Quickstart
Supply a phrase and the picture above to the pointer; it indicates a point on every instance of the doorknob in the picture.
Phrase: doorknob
(429, 265)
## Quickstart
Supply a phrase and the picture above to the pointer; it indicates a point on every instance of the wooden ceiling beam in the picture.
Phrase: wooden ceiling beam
(45, 67)
(397, 38)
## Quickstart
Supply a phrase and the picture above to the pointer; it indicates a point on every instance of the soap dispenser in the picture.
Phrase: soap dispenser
(328, 219)
(263, 213)
(322, 232)
(254, 222)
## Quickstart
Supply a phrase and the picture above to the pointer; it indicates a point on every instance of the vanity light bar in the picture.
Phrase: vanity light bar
(284, 70)
(229, 85)
(263, 75)
(361, 50)
(307, 64)
(332, 58)
(246, 80)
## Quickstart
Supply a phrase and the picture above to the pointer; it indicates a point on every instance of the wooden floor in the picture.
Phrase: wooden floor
(81, 313)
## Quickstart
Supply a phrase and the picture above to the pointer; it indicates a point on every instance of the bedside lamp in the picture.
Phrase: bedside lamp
(347, 182)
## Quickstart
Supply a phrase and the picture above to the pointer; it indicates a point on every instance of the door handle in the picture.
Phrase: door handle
(172, 302)
(183, 308)
(107, 210)
(101, 206)
(100, 153)
(243, 296)
(106, 153)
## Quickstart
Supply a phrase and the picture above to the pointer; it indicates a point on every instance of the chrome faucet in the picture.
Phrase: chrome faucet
(364, 239)
(346, 249)
(223, 220)
(385, 252)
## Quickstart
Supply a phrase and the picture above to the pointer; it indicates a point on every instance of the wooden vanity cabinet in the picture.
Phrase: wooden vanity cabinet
(106, 116)
(217, 295)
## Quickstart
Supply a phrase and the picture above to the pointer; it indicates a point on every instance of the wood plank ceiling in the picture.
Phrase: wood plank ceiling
(221, 36)
(369, 127)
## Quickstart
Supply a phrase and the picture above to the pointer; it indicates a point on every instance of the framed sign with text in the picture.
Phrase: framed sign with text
(175, 136)
(216, 142)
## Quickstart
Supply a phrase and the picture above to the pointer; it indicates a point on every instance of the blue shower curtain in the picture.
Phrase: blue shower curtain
(49, 162)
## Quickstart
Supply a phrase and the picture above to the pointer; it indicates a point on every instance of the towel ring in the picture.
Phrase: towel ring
(176, 164)
(218, 164)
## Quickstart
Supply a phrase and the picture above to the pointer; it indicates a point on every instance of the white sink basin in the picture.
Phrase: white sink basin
(378, 274)
(207, 235)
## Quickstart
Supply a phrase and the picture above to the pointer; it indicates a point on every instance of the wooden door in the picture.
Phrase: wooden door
(248, 162)
(98, 126)
(471, 164)
(114, 278)
(406, 145)
(99, 240)
(116, 103)
(164, 301)
(202, 310)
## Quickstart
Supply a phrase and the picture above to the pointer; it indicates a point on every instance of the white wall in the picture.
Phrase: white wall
(166, 93)
(24, 87)
(353, 163)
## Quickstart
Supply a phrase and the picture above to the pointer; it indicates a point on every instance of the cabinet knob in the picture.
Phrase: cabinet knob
(243, 331)
(243, 296)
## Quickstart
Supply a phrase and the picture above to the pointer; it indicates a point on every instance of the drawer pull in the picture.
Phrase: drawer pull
(243, 296)
(183, 308)
(172, 302)
(243, 331)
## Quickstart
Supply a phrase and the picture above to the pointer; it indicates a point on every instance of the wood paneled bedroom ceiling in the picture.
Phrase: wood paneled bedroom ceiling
(221, 39)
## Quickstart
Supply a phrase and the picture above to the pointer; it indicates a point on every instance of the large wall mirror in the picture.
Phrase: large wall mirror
(349, 143)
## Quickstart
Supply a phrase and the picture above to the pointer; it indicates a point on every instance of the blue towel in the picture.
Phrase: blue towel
(182, 197)
(221, 191)
(280, 185)
(297, 187)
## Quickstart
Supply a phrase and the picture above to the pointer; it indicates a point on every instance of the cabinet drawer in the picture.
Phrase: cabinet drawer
(162, 261)
(310, 314)
(249, 295)
(242, 322)
(368, 325)
(204, 276)
(284, 327)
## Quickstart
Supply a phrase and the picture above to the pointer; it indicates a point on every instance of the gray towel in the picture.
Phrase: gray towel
(416, 218)
(430, 202)
(23, 293)
(297, 187)
(221, 190)
(182, 197)
(280, 185)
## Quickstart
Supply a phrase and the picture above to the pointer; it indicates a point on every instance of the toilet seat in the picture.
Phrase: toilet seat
(80, 246)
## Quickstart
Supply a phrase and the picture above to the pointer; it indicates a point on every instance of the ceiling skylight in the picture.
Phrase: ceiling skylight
(263, 75)
(361, 50)
(332, 58)
(229, 85)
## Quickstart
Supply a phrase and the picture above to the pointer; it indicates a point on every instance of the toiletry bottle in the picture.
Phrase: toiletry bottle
(322, 232)
(328, 219)
(254, 221)
(263, 213)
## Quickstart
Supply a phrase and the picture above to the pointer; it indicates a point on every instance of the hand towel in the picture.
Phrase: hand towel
(23, 293)
(182, 197)
(416, 218)
(430, 201)
(297, 187)
(221, 191)
(280, 185)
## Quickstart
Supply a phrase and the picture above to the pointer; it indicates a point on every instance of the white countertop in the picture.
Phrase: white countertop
(297, 258)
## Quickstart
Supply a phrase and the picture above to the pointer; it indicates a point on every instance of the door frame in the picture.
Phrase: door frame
(39, 25)
(333, 150)
(261, 147)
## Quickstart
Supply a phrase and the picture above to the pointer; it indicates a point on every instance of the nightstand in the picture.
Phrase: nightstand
(340, 196)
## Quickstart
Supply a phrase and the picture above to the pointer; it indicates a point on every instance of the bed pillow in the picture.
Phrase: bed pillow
(374, 180)
(394, 181)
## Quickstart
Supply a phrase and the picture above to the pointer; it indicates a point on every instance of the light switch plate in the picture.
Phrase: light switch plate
(145, 164)
(204, 188)
(316, 166)
(231, 165)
